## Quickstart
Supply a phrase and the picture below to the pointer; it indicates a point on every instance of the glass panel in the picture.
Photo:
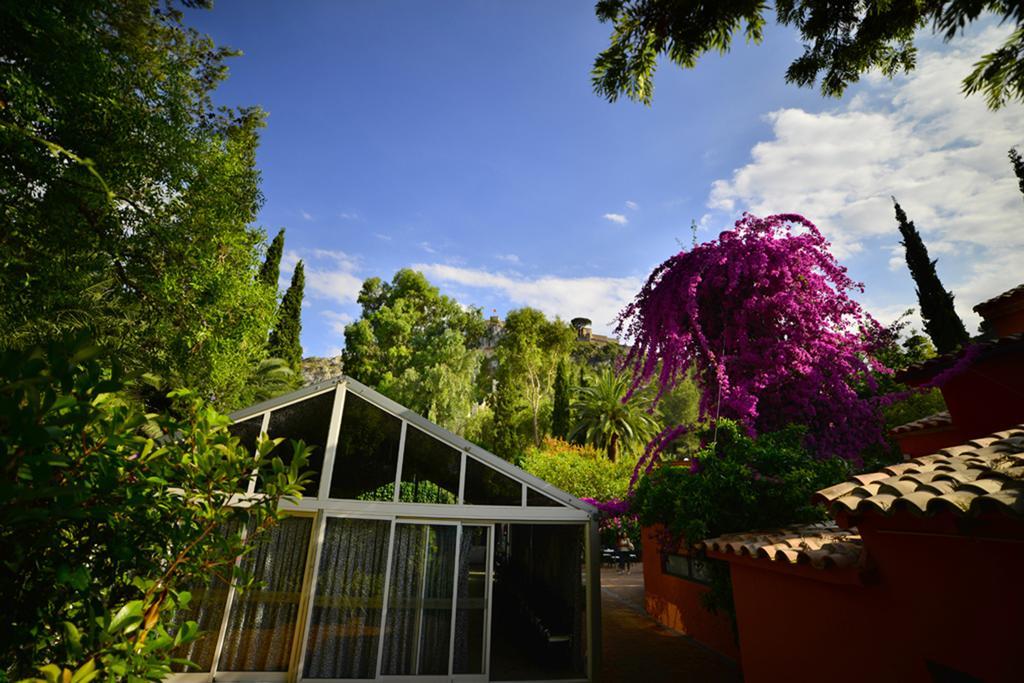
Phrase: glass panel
(677, 565)
(472, 601)
(308, 420)
(430, 470)
(262, 620)
(418, 631)
(367, 454)
(485, 486)
(538, 499)
(207, 610)
(248, 433)
(348, 601)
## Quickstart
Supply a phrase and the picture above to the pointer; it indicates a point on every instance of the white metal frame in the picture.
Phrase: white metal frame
(321, 507)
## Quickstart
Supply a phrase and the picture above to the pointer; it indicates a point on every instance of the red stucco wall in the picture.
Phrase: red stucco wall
(675, 602)
(953, 600)
(987, 397)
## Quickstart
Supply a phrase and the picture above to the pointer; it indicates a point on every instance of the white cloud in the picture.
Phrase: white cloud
(337, 321)
(942, 155)
(507, 258)
(616, 218)
(306, 215)
(597, 298)
(382, 236)
(426, 246)
(348, 216)
(330, 274)
(632, 205)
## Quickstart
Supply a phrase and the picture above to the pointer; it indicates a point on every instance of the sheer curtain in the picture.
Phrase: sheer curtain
(348, 600)
(418, 630)
(262, 622)
(472, 601)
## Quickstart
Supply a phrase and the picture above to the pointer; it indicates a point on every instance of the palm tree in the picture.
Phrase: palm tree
(605, 421)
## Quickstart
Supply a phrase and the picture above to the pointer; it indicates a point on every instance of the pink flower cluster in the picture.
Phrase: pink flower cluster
(763, 319)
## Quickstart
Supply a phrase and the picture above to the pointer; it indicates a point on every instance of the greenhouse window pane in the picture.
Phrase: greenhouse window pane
(344, 631)
(538, 499)
(367, 453)
(486, 486)
(308, 420)
(262, 620)
(430, 470)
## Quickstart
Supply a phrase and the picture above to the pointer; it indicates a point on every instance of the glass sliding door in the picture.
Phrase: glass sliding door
(262, 621)
(469, 647)
(348, 600)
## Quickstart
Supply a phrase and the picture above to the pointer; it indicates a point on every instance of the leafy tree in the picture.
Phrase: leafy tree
(285, 341)
(271, 268)
(842, 40)
(273, 377)
(680, 406)
(611, 418)
(561, 414)
(416, 346)
(941, 321)
(583, 471)
(528, 355)
(509, 411)
(128, 195)
(109, 514)
(1018, 167)
(762, 320)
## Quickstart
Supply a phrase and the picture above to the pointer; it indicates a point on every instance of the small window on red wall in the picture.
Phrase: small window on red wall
(687, 567)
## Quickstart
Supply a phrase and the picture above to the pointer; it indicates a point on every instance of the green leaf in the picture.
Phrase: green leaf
(74, 639)
(127, 618)
(85, 673)
(51, 672)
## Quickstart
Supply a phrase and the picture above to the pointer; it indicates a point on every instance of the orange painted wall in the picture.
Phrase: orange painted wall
(954, 600)
(1009, 323)
(675, 602)
(924, 442)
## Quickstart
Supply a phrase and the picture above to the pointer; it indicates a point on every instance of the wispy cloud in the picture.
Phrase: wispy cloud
(337, 320)
(633, 206)
(382, 236)
(426, 246)
(306, 215)
(616, 218)
(507, 258)
(942, 155)
(348, 216)
(330, 274)
(598, 298)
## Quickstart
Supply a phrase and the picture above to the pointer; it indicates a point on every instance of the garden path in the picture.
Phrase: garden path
(637, 648)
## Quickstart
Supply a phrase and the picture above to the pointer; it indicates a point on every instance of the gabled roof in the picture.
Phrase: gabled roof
(438, 432)
(985, 474)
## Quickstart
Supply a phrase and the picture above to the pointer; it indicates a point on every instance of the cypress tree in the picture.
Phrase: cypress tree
(560, 412)
(508, 443)
(284, 340)
(271, 268)
(941, 321)
(1018, 167)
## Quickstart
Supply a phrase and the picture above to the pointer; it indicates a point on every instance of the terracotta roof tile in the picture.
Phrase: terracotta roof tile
(942, 419)
(1000, 298)
(925, 370)
(982, 474)
(818, 545)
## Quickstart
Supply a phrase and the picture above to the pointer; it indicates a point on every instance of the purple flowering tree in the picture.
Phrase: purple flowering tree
(763, 318)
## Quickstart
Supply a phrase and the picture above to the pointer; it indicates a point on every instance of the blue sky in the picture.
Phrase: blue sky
(463, 138)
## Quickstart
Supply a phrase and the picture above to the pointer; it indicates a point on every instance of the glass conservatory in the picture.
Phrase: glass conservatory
(413, 555)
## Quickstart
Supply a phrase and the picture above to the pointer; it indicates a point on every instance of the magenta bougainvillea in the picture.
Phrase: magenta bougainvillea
(763, 318)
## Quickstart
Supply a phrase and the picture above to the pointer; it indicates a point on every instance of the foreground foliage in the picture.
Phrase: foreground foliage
(842, 40)
(127, 194)
(108, 515)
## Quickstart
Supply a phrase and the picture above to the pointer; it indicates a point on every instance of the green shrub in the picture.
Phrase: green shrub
(583, 471)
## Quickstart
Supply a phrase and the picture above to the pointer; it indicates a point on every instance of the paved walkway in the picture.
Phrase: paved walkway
(637, 648)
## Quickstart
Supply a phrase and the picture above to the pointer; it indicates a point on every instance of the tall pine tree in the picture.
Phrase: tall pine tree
(560, 412)
(941, 321)
(284, 340)
(271, 268)
(1018, 167)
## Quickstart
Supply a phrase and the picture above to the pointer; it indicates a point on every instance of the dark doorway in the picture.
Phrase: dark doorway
(538, 628)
